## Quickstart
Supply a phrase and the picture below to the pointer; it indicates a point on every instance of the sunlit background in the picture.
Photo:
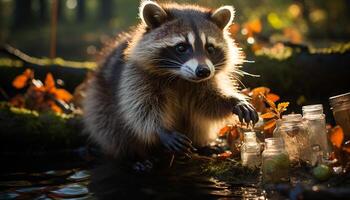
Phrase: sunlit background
(83, 26)
(288, 40)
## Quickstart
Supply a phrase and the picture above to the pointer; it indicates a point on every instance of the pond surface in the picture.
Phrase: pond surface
(108, 181)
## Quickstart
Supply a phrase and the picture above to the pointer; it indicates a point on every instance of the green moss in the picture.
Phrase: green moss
(229, 170)
(26, 130)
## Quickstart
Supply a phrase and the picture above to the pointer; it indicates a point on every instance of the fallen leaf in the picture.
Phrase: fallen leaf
(49, 82)
(63, 95)
(234, 133)
(224, 130)
(225, 155)
(272, 97)
(259, 90)
(268, 115)
(22, 80)
(337, 136)
(271, 103)
(268, 125)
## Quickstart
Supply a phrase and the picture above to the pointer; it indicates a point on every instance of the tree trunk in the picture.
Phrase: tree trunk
(43, 11)
(23, 13)
(106, 9)
(81, 11)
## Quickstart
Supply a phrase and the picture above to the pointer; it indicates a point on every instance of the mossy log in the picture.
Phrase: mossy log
(25, 131)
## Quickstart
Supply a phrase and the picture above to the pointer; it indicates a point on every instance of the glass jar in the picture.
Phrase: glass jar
(275, 161)
(316, 125)
(340, 106)
(250, 151)
(295, 136)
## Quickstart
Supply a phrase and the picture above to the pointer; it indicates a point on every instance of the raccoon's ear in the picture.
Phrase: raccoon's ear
(223, 16)
(152, 14)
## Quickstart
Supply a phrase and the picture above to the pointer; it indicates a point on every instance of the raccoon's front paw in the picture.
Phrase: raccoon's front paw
(176, 142)
(246, 112)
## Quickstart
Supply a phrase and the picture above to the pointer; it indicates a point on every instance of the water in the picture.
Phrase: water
(108, 181)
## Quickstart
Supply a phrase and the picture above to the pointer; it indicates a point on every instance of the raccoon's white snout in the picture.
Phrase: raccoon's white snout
(195, 71)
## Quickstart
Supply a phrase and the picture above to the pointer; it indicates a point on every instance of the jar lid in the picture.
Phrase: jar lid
(314, 109)
(291, 117)
(339, 99)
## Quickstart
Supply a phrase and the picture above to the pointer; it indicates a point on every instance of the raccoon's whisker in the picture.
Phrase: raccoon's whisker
(191, 70)
(246, 73)
(237, 79)
(169, 67)
(168, 61)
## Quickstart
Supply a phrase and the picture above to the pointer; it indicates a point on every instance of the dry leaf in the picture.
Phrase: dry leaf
(234, 133)
(261, 90)
(268, 115)
(281, 107)
(272, 97)
(63, 94)
(49, 82)
(337, 136)
(271, 103)
(224, 131)
(225, 155)
(270, 124)
(22, 80)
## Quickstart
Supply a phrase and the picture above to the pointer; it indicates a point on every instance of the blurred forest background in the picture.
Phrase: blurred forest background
(83, 26)
(297, 45)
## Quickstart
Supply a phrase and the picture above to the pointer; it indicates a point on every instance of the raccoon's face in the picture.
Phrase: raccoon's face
(186, 41)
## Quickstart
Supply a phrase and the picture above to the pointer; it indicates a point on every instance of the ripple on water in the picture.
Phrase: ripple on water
(79, 176)
(71, 191)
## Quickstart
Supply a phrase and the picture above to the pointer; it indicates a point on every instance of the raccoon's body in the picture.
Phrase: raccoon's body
(170, 79)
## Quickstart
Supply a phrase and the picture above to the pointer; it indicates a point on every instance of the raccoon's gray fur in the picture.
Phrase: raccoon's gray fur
(174, 74)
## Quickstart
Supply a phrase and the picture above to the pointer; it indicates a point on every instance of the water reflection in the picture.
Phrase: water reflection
(109, 181)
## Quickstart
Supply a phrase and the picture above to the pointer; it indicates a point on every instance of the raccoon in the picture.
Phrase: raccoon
(172, 82)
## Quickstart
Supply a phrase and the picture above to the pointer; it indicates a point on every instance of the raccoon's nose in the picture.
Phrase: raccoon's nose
(202, 71)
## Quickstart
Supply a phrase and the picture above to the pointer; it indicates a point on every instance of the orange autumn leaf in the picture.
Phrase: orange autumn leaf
(337, 136)
(22, 80)
(281, 107)
(234, 133)
(63, 95)
(268, 115)
(253, 26)
(268, 125)
(49, 82)
(260, 90)
(272, 97)
(233, 29)
(271, 103)
(54, 107)
(224, 130)
(225, 155)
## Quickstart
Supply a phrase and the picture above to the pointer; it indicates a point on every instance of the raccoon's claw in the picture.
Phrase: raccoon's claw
(176, 142)
(144, 166)
(246, 112)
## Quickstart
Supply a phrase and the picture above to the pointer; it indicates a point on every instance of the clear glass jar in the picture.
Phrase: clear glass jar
(340, 106)
(250, 151)
(295, 136)
(275, 161)
(316, 125)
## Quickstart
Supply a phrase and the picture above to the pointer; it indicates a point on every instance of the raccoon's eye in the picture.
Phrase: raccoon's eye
(210, 49)
(182, 48)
